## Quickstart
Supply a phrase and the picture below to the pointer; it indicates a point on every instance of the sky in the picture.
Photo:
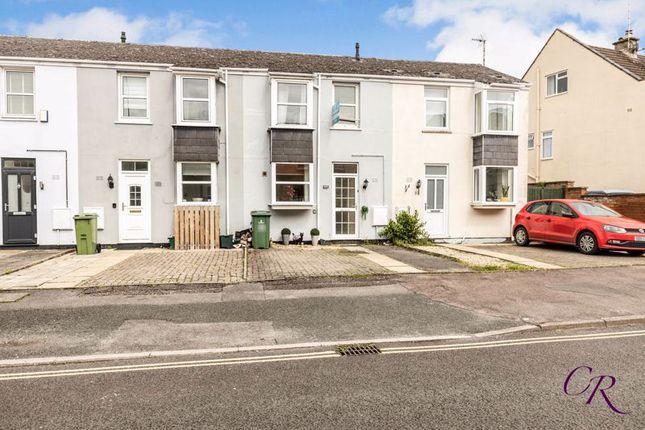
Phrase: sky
(515, 30)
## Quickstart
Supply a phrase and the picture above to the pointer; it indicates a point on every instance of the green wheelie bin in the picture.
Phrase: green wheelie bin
(86, 237)
(261, 224)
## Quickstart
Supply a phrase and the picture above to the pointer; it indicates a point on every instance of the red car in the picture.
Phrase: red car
(590, 226)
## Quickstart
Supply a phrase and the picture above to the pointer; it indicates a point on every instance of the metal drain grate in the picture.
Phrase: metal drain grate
(358, 349)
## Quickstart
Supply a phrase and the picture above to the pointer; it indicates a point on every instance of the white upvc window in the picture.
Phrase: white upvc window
(134, 102)
(347, 96)
(196, 183)
(495, 112)
(291, 183)
(557, 83)
(195, 99)
(531, 141)
(493, 185)
(18, 93)
(547, 145)
(291, 102)
(437, 108)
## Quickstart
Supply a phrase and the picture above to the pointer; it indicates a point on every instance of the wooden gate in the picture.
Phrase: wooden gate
(197, 227)
(536, 192)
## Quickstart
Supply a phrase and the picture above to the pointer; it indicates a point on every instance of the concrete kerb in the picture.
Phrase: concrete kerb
(603, 322)
(505, 257)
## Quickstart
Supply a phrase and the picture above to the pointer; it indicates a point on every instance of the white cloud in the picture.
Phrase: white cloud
(105, 24)
(515, 30)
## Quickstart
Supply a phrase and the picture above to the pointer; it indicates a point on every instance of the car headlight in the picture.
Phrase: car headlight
(613, 229)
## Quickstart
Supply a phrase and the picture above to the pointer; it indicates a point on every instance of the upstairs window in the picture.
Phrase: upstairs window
(531, 141)
(19, 93)
(436, 99)
(133, 97)
(195, 99)
(558, 83)
(346, 96)
(291, 104)
(547, 145)
(501, 105)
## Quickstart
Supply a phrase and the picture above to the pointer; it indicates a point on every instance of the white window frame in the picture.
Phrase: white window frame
(356, 106)
(483, 114)
(556, 76)
(180, 197)
(439, 99)
(481, 172)
(550, 136)
(274, 183)
(274, 103)
(179, 101)
(5, 92)
(127, 119)
(531, 141)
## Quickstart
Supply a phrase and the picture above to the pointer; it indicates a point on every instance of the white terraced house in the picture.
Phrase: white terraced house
(135, 133)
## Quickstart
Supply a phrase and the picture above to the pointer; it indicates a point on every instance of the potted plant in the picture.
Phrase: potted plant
(364, 211)
(505, 189)
(315, 236)
(286, 235)
(492, 196)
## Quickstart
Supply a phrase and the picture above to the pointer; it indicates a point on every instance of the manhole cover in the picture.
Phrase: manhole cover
(358, 349)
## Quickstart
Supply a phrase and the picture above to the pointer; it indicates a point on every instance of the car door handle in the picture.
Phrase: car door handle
(528, 218)
(548, 220)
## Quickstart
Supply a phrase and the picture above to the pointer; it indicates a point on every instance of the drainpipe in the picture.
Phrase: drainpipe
(318, 156)
(538, 133)
(228, 147)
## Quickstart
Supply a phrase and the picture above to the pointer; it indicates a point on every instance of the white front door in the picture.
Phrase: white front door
(436, 207)
(134, 201)
(345, 201)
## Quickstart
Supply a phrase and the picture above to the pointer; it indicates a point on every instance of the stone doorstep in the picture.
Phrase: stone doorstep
(501, 256)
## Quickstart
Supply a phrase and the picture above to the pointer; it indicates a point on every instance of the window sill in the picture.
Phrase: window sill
(291, 206)
(555, 95)
(492, 205)
(291, 127)
(496, 133)
(196, 124)
(19, 118)
(436, 130)
(546, 159)
(346, 128)
(133, 122)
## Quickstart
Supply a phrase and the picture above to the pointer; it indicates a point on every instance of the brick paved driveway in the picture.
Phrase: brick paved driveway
(150, 267)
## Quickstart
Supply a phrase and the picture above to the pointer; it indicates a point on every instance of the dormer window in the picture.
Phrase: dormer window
(196, 100)
(292, 102)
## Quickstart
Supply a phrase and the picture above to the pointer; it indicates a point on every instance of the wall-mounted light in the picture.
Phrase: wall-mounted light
(365, 184)
(110, 180)
(418, 186)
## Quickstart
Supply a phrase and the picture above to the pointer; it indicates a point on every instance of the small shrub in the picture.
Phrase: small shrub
(407, 228)
(314, 232)
(285, 231)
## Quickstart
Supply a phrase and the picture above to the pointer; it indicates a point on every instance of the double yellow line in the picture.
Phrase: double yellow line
(312, 356)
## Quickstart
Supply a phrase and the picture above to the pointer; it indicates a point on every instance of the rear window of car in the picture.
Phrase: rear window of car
(539, 208)
(593, 209)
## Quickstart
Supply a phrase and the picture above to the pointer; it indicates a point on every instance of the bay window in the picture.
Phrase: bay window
(291, 183)
(195, 182)
(495, 112)
(436, 99)
(493, 185)
(291, 104)
(557, 83)
(195, 99)
(19, 93)
(133, 97)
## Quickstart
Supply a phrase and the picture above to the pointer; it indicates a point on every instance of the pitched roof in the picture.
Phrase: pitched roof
(634, 67)
(13, 46)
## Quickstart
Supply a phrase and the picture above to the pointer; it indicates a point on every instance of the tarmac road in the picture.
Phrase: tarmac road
(514, 385)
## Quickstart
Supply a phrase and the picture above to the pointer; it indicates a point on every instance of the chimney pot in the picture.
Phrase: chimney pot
(627, 44)
(123, 39)
(357, 56)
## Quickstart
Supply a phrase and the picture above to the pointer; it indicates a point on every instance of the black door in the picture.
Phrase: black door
(18, 201)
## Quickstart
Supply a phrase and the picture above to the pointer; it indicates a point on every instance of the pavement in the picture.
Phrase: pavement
(12, 260)
(503, 384)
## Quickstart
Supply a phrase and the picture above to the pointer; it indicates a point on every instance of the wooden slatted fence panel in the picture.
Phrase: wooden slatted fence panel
(197, 227)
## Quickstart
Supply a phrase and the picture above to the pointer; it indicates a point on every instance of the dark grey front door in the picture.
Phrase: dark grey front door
(18, 201)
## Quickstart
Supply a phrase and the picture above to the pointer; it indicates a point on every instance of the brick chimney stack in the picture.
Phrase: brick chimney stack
(627, 44)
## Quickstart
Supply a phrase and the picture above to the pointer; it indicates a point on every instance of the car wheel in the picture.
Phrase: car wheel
(521, 236)
(636, 253)
(588, 244)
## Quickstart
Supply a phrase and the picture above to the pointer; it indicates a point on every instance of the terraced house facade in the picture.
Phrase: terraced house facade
(340, 143)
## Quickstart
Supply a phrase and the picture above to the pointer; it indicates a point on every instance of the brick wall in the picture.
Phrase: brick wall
(630, 205)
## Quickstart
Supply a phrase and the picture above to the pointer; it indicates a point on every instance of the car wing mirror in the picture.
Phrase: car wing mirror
(567, 215)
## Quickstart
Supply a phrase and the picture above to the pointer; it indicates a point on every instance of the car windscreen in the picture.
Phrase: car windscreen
(593, 209)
